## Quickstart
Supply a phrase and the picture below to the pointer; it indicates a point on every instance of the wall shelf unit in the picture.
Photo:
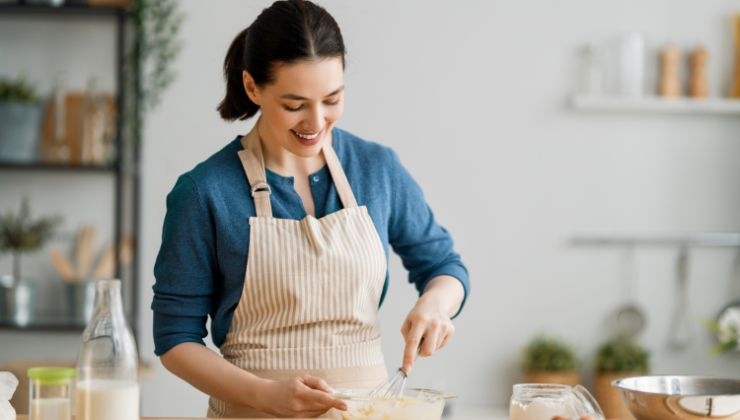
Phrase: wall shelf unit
(55, 167)
(45, 326)
(122, 171)
(680, 240)
(72, 9)
(655, 104)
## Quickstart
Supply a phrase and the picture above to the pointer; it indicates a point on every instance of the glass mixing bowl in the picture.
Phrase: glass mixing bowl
(415, 404)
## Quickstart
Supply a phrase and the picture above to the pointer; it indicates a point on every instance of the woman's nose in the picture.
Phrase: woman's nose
(315, 120)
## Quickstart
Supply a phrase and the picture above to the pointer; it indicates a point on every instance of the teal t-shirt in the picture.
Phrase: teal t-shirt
(201, 263)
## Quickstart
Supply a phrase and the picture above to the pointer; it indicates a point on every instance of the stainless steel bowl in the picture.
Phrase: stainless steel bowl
(681, 397)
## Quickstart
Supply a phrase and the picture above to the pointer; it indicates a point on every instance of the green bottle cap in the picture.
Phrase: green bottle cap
(51, 375)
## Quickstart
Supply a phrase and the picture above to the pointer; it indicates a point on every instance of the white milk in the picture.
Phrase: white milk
(50, 409)
(540, 409)
(103, 399)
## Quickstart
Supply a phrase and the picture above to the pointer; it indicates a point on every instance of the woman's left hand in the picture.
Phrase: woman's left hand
(428, 327)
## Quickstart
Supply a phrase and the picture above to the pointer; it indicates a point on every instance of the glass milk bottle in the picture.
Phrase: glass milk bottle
(107, 388)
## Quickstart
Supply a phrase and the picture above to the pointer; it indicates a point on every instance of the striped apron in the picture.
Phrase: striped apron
(311, 292)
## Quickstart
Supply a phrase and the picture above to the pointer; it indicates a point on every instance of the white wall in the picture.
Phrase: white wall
(479, 88)
(472, 95)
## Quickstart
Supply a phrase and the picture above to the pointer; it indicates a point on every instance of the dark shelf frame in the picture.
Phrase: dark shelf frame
(56, 167)
(118, 169)
(71, 9)
(42, 327)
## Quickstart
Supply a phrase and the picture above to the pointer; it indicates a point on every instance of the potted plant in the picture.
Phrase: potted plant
(20, 120)
(725, 329)
(20, 233)
(551, 361)
(616, 359)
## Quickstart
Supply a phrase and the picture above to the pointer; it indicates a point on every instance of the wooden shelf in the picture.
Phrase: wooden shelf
(60, 325)
(19, 8)
(675, 240)
(56, 167)
(655, 104)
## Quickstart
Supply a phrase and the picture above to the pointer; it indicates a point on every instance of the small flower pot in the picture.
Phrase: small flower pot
(17, 301)
(610, 398)
(80, 301)
(20, 132)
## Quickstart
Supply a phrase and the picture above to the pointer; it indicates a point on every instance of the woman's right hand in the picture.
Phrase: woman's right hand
(304, 396)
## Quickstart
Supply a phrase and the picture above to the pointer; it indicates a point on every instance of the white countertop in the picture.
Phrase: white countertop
(477, 413)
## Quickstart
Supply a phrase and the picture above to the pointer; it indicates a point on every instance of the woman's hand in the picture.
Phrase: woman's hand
(305, 396)
(428, 327)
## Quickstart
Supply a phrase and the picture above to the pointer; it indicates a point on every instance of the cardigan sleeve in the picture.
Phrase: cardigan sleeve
(184, 269)
(426, 248)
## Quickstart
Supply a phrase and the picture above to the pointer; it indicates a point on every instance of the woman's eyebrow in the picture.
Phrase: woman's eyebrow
(301, 98)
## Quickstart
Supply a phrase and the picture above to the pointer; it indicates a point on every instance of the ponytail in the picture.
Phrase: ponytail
(236, 105)
(286, 32)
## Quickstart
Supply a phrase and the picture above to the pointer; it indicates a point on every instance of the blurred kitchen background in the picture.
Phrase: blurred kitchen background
(532, 126)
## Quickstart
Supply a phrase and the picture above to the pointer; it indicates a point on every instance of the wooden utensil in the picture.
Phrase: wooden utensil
(106, 264)
(669, 83)
(84, 251)
(126, 249)
(698, 84)
(63, 266)
(72, 137)
(735, 91)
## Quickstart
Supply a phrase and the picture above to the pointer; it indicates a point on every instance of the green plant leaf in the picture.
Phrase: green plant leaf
(728, 338)
(544, 354)
(622, 355)
(19, 232)
(17, 90)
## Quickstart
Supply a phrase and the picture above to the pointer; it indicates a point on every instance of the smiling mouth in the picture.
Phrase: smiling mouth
(307, 136)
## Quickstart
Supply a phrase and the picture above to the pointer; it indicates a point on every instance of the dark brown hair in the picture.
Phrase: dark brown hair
(286, 32)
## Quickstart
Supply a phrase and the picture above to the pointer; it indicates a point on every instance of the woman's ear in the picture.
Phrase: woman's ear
(250, 87)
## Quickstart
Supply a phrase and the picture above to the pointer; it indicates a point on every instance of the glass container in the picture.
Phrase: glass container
(547, 401)
(50, 393)
(107, 387)
(414, 404)
(592, 71)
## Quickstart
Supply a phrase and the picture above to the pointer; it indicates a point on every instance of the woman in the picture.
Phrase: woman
(311, 209)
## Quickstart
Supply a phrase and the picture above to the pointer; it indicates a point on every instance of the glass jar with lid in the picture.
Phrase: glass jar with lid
(50, 393)
(547, 401)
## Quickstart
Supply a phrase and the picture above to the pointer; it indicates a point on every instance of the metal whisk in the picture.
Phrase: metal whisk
(391, 388)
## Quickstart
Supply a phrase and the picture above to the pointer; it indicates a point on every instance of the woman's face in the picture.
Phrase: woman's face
(302, 104)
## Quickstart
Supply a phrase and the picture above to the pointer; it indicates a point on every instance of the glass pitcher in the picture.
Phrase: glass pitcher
(107, 387)
(550, 401)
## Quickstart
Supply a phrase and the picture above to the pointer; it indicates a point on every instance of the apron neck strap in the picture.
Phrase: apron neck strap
(340, 178)
(254, 166)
